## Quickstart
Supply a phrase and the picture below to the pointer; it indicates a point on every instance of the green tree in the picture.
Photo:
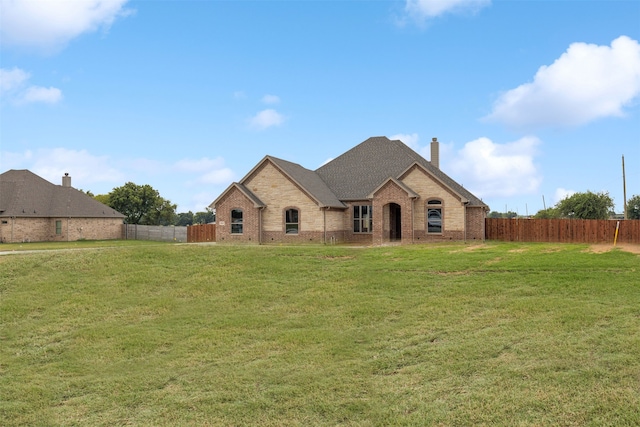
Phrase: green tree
(496, 214)
(586, 206)
(204, 217)
(102, 198)
(185, 218)
(548, 213)
(142, 204)
(633, 207)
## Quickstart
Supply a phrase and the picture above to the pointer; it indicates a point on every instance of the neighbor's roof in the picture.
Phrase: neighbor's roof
(360, 171)
(25, 194)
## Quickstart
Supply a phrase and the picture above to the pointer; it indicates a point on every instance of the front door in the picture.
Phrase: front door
(395, 222)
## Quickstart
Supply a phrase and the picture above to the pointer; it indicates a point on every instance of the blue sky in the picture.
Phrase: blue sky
(529, 99)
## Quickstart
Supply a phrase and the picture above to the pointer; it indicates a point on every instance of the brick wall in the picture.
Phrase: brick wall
(235, 199)
(280, 193)
(391, 193)
(476, 223)
(71, 229)
(423, 184)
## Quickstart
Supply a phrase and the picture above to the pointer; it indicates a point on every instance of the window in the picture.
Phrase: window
(362, 219)
(58, 227)
(236, 221)
(434, 216)
(291, 223)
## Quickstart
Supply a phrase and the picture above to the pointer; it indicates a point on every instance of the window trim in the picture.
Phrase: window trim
(236, 223)
(58, 227)
(360, 219)
(287, 224)
(434, 204)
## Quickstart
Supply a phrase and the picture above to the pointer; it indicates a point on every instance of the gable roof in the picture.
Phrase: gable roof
(244, 190)
(308, 180)
(25, 194)
(356, 174)
(412, 194)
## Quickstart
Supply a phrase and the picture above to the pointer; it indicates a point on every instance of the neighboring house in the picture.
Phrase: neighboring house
(379, 191)
(33, 209)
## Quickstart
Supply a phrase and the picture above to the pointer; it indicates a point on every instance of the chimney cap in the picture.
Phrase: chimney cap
(434, 139)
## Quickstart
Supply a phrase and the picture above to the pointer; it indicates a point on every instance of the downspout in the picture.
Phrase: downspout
(260, 225)
(465, 221)
(68, 220)
(413, 221)
(13, 221)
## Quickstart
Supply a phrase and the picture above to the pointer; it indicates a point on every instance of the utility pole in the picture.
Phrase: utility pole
(624, 189)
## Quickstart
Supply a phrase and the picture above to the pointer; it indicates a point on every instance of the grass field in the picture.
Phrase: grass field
(191, 335)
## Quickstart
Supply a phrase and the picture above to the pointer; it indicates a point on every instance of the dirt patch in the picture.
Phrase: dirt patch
(627, 247)
(470, 248)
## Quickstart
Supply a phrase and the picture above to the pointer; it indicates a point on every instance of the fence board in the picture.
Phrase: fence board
(201, 233)
(562, 230)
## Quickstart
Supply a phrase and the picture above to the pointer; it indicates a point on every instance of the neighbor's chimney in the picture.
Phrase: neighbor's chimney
(66, 179)
(435, 152)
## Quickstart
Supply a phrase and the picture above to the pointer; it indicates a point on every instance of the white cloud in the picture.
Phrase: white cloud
(52, 163)
(562, 193)
(51, 24)
(271, 99)
(212, 171)
(409, 139)
(198, 165)
(200, 201)
(13, 79)
(49, 95)
(13, 86)
(488, 169)
(424, 9)
(218, 176)
(586, 83)
(266, 119)
(326, 161)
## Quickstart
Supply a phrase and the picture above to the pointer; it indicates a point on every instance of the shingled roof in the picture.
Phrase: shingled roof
(310, 181)
(357, 173)
(25, 194)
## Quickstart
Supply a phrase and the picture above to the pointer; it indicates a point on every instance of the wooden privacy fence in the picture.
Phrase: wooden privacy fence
(562, 230)
(201, 233)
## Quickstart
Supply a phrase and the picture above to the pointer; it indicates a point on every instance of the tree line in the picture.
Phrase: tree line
(142, 204)
(585, 205)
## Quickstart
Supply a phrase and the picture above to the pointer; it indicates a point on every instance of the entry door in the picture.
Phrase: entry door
(395, 222)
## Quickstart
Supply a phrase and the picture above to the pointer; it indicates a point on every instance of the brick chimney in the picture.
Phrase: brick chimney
(66, 179)
(435, 152)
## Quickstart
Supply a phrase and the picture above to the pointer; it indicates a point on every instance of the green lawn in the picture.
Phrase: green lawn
(172, 335)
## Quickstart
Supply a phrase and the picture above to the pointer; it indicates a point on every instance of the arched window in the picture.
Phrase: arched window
(434, 216)
(236, 221)
(291, 221)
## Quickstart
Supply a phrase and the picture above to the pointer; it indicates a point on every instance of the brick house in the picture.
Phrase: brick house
(34, 210)
(379, 191)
